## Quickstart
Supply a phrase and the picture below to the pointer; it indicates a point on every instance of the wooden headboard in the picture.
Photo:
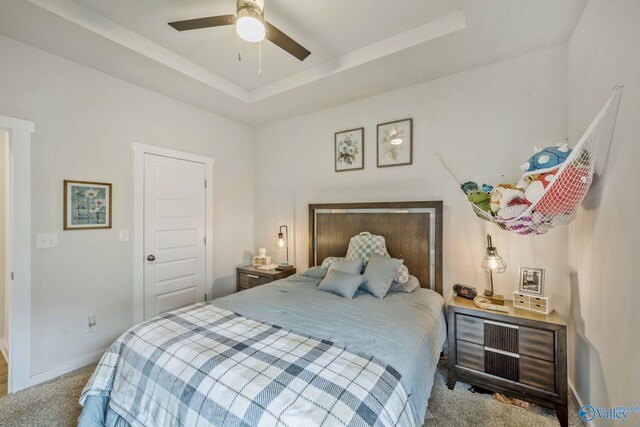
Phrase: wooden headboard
(412, 231)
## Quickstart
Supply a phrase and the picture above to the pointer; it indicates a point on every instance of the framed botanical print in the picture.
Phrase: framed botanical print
(349, 150)
(395, 143)
(531, 281)
(87, 205)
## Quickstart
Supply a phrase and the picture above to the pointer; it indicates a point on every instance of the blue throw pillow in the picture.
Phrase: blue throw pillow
(315, 272)
(341, 283)
(379, 274)
(353, 266)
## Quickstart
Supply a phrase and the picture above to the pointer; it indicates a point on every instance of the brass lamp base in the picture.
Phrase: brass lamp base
(494, 298)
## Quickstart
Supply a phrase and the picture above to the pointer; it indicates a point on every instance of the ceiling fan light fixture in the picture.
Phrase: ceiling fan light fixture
(250, 23)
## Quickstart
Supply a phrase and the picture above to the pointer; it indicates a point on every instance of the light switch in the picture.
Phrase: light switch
(124, 235)
(46, 241)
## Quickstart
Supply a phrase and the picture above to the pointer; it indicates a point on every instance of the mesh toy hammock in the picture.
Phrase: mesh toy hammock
(563, 196)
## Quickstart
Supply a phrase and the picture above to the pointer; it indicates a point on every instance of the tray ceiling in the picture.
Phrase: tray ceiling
(394, 43)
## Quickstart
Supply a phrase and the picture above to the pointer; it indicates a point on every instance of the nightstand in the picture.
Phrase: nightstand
(520, 353)
(248, 276)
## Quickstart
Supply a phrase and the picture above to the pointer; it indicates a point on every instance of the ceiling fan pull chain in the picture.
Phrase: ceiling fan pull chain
(260, 59)
(239, 49)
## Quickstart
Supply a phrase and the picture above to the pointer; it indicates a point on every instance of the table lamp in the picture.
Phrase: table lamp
(493, 263)
(281, 243)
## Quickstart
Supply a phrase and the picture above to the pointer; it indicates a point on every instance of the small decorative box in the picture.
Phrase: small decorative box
(539, 304)
(259, 261)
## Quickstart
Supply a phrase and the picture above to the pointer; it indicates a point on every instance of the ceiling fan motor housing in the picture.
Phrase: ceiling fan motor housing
(250, 8)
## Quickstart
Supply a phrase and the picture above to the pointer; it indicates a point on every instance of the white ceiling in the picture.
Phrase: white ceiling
(359, 47)
(328, 32)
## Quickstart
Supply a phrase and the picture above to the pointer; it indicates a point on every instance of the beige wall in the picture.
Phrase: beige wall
(483, 122)
(4, 142)
(85, 122)
(604, 51)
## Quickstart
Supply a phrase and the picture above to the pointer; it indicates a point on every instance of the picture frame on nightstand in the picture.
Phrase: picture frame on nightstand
(531, 281)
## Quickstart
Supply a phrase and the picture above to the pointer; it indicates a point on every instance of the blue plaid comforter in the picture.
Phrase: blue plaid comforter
(205, 366)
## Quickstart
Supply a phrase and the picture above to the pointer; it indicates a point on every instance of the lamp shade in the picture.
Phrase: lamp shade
(281, 242)
(250, 24)
(492, 262)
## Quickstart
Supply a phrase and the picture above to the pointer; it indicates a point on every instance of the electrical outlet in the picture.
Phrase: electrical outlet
(91, 323)
(124, 235)
(46, 241)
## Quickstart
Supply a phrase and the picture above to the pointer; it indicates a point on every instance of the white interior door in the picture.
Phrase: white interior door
(174, 234)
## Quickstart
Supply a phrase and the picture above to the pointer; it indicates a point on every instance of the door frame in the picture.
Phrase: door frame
(18, 245)
(139, 152)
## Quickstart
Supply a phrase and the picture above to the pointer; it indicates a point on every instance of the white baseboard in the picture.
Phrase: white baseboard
(4, 349)
(578, 398)
(66, 367)
(580, 401)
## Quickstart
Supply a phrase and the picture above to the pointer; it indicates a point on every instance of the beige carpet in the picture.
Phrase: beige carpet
(55, 404)
(52, 404)
(460, 407)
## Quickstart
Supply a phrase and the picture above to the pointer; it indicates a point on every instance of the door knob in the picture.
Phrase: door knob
(151, 258)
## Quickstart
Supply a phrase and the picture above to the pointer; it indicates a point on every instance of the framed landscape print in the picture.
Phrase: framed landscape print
(349, 150)
(87, 205)
(395, 143)
(531, 281)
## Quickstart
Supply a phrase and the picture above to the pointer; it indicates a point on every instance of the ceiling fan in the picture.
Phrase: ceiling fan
(250, 26)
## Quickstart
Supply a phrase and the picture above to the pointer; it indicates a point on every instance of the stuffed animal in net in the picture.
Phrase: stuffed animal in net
(487, 188)
(513, 209)
(536, 189)
(468, 187)
(546, 160)
(502, 195)
(479, 198)
(558, 201)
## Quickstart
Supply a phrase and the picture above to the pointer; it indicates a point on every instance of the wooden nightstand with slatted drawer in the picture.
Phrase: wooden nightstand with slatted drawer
(522, 354)
(248, 277)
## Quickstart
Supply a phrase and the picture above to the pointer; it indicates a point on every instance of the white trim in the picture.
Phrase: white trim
(424, 33)
(573, 389)
(168, 152)
(18, 290)
(580, 402)
(506, 353)
(65, 368)
(139, 150)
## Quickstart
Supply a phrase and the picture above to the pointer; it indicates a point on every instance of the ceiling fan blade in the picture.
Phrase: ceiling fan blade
(211, 21)
(285, 42)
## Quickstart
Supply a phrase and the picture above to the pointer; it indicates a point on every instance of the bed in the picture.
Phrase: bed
(287, 353)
